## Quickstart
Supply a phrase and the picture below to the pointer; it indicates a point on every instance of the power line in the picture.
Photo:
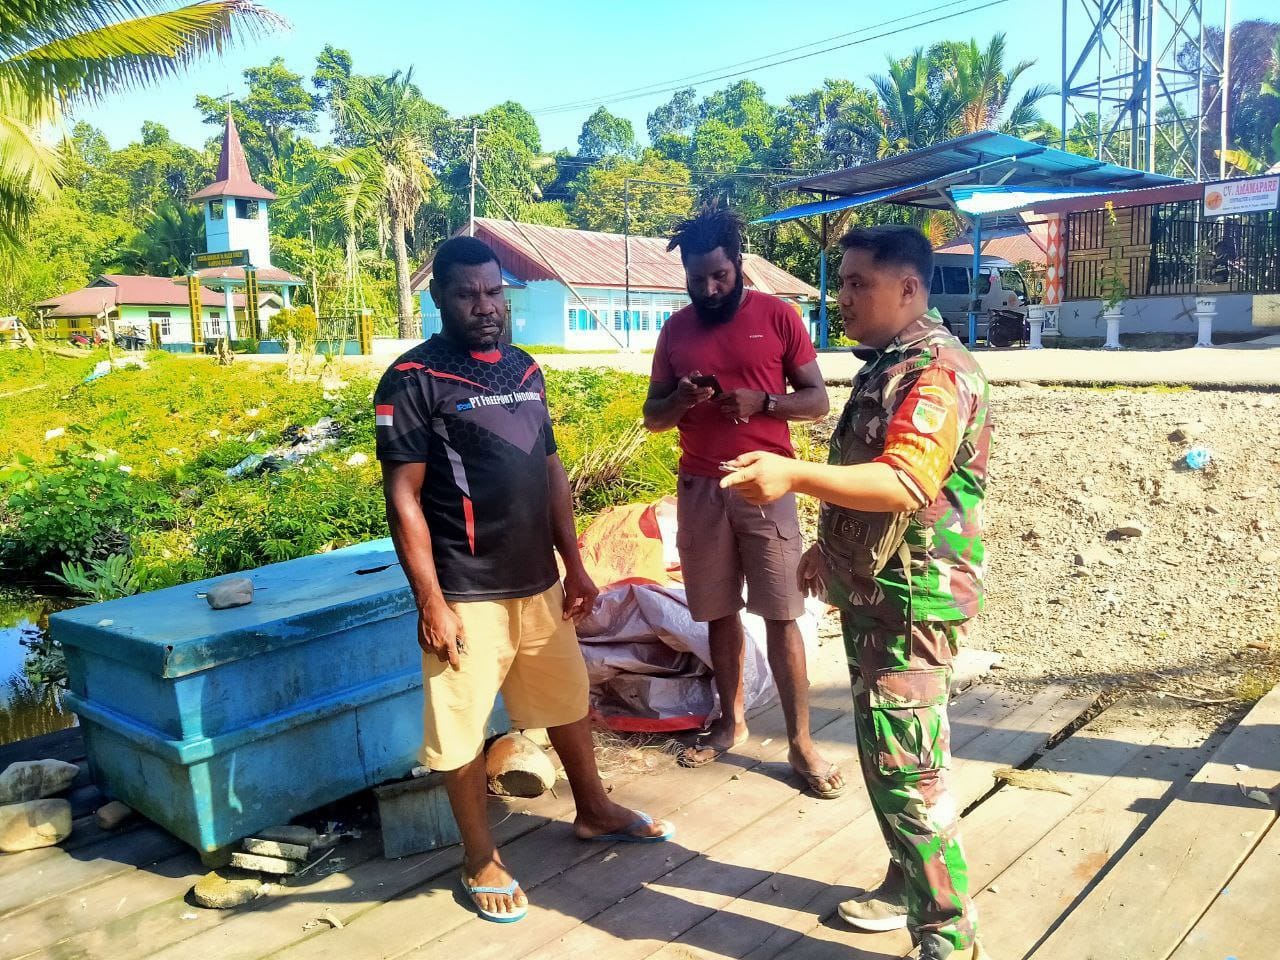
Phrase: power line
(735, 172)
(744, 172)
(578, 105)
(695, 78)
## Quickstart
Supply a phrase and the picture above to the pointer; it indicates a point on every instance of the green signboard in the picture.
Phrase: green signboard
(225, 258)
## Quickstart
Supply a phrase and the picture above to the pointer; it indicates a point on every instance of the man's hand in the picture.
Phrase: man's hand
(813, 573)
(761, 477)
(440, 632)
(580, 594)
(741, 405)
(689, 394)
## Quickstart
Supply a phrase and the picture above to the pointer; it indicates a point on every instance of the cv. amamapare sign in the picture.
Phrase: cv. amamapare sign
(1246, 195)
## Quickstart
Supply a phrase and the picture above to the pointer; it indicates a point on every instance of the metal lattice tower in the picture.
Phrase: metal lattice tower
(1145, 72)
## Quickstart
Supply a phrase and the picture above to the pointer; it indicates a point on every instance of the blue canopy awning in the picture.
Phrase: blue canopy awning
(1038, 165)
(1024, 171)
(976, 200)
(833, 204)
(819, 207)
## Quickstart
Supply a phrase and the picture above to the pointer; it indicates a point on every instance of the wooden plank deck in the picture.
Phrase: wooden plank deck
(1144, 907)
(1146, 818)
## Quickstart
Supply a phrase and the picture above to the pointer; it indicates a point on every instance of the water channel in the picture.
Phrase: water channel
(28, 706)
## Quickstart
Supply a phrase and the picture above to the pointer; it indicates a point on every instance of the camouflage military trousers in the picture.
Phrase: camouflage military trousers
(900, 688)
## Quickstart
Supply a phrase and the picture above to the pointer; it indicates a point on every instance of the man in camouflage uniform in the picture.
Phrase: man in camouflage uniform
(900, 553)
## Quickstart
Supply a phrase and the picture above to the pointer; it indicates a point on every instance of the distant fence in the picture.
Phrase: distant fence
(346, 333)
(1168, 249)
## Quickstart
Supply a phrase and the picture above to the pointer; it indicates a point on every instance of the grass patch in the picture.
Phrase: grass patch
(1258, 681)
(551, 349)
(611, 459)
(134, 464)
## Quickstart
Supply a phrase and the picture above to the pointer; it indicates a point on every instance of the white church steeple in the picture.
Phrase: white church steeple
(235, 208)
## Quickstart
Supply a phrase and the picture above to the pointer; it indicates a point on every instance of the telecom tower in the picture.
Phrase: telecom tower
(1145, 72)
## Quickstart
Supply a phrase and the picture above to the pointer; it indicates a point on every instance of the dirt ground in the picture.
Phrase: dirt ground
(1190, 605)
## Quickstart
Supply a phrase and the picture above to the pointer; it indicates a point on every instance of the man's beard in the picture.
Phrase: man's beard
(725, 311)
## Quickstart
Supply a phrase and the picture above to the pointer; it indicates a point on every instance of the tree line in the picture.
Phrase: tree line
(372, 175)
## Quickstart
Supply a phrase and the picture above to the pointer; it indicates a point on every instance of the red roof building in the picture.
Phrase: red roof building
(235, 216)
(113, 290)
(1015, 243)
(588, 258)
(153, 308)
(569, 287)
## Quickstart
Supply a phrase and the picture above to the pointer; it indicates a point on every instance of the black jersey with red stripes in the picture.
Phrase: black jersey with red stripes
(479, 422)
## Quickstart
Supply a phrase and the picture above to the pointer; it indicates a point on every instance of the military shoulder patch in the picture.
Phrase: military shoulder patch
(928, 416)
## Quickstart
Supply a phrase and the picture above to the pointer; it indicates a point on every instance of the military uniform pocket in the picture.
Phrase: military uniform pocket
(909, 718)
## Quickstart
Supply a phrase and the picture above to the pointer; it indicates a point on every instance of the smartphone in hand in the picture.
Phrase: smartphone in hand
(708, 380)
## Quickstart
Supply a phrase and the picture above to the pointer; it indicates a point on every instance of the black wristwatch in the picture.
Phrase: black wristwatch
(770, 404)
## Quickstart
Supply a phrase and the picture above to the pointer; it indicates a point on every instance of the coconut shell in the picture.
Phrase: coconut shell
(518, 767)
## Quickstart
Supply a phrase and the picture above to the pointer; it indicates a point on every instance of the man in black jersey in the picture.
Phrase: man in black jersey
(478, 504)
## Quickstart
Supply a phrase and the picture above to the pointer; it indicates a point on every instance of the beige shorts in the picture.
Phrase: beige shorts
(725, 542)
(522, 648)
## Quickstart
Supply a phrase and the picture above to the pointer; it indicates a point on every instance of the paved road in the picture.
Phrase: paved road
(1238, 365)
(1205, 367)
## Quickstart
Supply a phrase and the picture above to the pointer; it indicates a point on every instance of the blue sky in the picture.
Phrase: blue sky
(468, 56)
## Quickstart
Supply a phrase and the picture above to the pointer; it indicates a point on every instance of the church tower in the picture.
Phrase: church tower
(235, 208)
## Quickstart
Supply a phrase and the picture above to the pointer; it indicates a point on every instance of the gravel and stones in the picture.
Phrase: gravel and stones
(1109, 562)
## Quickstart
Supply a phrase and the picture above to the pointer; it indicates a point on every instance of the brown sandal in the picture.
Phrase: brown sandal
(813, 782)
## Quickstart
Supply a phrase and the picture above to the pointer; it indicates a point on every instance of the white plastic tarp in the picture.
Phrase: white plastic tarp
(650, 661)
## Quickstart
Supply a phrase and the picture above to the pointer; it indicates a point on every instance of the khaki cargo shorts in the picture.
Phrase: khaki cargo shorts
(523, 648)
(725, 542)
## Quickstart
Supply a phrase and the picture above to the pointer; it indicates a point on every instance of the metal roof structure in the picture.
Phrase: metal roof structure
(1012, 244)
(1124, 198)
(989, 172)
(923, 177)
(979, 200)
(1036, 164)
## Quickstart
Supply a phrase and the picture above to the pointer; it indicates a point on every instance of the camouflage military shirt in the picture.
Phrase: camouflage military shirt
(920, 405)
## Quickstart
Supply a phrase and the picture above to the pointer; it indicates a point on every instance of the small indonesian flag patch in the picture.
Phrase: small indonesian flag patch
(383, 414)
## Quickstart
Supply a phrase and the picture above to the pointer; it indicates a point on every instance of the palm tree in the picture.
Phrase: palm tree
(164, 247)
(976, 90)
(954, 88)
(386, 175)
(58, 54)
(1271, 88)
(1271, 82)
(905, 118)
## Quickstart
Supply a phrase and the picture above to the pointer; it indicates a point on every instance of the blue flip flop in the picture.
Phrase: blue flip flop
(629, 836)
(490, 915)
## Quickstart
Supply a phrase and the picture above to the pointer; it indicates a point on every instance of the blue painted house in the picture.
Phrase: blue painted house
(568, 288)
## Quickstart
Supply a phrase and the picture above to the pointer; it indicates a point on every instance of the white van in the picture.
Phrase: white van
(1000, 287)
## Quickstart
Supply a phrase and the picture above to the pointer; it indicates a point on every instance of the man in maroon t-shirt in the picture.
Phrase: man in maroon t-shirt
(720, 375)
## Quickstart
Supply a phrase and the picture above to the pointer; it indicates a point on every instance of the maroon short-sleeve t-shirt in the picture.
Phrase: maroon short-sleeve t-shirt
(758, 349)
